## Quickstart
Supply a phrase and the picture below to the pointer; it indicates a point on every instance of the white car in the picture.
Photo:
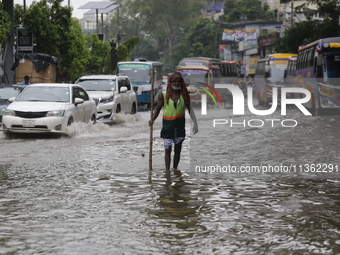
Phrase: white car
(112, 93)
(48, 108)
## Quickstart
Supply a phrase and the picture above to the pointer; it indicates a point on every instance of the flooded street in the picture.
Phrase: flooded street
(92, 193)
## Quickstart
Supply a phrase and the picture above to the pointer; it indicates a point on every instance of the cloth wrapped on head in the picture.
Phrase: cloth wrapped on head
(184, 90)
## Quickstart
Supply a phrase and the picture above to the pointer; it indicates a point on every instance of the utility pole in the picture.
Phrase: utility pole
(118, 37)
(217, 26)
(292, 14)
(97, 21)
(9, 44)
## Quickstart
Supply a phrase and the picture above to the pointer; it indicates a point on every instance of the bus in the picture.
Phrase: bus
(140, 75)
(270, 72)
(165, 82)
(290, 75)
(318, 70)
(201, 74)
(291, 67)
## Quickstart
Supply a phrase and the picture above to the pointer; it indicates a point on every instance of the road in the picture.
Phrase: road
(92, 193)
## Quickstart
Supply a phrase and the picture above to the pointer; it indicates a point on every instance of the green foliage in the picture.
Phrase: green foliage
(201, 38)
(131, 43)
(306, 32)
(162, 25)
(99, 52)
(74, 62)
(50, 24)
(298, 35)
(18, 15)
(124, 51)
(5, 25)
(235, 11)
(146, 49)
(328, 8)
(57, 34)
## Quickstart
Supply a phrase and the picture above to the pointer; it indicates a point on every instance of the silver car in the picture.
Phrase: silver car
(48, 108)
(113, 94)
(6, 92)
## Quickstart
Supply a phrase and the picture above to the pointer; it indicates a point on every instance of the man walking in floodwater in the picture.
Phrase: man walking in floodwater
(174, 101)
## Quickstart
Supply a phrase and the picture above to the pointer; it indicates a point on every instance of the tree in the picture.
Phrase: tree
(201, 38)
(296, 36)
(57, 34)
(18, 15)
(161, 24)
(330, 11)
(99, 52)
(5, 25)
(308, 31)
(124, 51)
(50, 24)
(74, 62)
(235, 11)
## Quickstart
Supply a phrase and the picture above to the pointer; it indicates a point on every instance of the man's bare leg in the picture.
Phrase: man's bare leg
(167, 158)
(177, 154)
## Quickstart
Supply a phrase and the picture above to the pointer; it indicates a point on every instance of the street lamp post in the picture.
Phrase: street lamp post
(118, 35)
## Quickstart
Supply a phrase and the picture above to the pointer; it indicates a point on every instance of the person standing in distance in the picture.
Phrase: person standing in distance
(27, 81)
(174, 101)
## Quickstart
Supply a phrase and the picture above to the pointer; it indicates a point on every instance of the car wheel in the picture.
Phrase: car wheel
(93, 119)
(118, 109)
(133, 109)
(70, 121)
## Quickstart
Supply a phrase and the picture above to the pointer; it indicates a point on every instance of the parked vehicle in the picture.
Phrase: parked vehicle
(165, 82)
(48, 108)
(6, 92)
(141, 76)
(271, 72)
(113, 94)
(201, 74)
(290, 75)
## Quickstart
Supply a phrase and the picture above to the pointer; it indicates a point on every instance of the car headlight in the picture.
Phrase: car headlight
(56, 113)
(105, 101)
(7, 112)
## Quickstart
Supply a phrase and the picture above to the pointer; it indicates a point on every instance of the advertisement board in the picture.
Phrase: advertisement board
(24, 40)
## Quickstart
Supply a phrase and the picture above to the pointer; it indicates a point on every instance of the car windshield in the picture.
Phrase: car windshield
(45, 94)
(98, 85)
(8, 92)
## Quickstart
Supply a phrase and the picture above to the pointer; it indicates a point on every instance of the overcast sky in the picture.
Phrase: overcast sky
(74, 3)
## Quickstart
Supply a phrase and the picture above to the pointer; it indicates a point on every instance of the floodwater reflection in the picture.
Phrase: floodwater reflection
(91, 193)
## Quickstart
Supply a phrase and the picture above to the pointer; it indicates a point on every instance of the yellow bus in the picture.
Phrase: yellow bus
(201, 74)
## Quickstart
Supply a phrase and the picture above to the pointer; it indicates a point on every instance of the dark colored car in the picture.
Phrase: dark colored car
(6, 92)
